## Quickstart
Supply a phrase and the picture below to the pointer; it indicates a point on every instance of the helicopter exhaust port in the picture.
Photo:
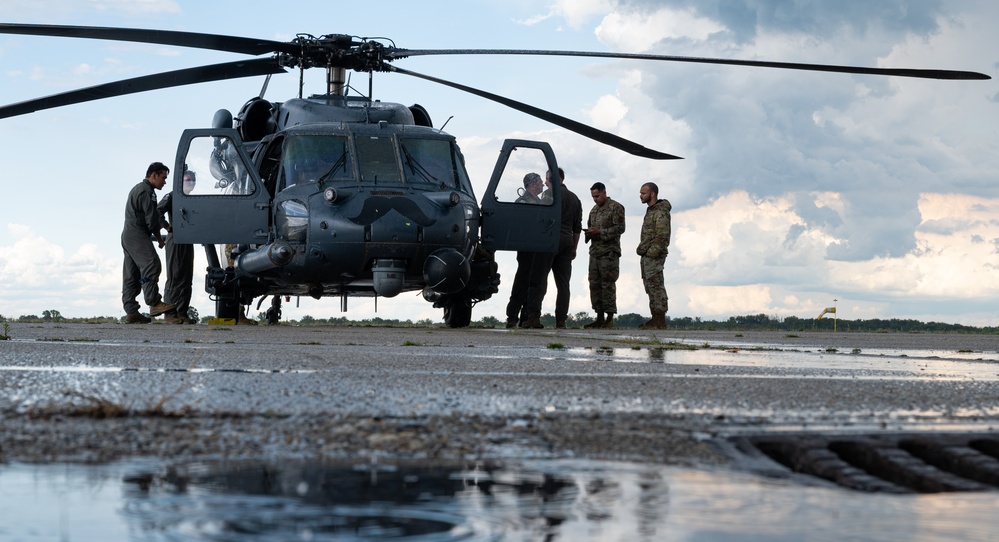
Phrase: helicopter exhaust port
(389, 277)
(276, 254)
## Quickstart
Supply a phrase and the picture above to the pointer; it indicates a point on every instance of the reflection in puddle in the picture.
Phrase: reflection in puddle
(534, 500)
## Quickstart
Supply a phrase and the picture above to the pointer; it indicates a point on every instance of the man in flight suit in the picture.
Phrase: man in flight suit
(532, 268)
(141, 269)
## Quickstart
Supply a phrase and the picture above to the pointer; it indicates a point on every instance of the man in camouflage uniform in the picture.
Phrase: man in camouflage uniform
(603, 231)
(653, 248)
(141, 268)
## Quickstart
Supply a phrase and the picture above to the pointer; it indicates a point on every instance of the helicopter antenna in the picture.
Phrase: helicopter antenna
(445, 123)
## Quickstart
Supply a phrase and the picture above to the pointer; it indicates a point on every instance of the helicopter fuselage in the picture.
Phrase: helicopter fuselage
(341, 197)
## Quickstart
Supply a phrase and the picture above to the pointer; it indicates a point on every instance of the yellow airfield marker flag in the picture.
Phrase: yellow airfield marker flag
(828, 310)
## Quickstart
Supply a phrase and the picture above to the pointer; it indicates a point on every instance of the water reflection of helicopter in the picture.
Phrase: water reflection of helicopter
(337, 195)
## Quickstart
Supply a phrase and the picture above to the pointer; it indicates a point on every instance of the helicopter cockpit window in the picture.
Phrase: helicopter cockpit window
(217, 168)
(376, 159)
(312, 158)
(430, 161)
(524, 179)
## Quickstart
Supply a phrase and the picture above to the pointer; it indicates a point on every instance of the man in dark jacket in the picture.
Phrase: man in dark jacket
(568, 240)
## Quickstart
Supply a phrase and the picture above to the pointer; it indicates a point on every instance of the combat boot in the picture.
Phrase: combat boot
(598, 323)
(160, 308)
(532, 323)
(609, 322)
(136, 318)
(172, 318)
(658, 321)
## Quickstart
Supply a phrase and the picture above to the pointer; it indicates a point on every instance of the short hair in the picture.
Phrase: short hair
(598, 186)
(652, 188)
(530, 179)
(156, 167)
(561, 173)
(191, 174)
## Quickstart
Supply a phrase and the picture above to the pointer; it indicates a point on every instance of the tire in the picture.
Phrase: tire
(458, 313)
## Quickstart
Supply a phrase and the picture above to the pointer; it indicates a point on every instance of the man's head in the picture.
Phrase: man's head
(157, 174)
(599, 193)
(533, 183)
(649, 193)
(548, 177)
(190, 180)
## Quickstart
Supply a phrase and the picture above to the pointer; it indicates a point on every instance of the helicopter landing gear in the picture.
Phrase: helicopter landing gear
(458, 312)
(274, 313)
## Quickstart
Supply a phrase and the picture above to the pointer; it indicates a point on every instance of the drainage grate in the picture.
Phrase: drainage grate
(901, 463)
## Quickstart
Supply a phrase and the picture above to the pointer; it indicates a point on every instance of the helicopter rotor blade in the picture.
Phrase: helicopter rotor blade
(232, 44)
(899, 72)
(201, 74)
(582, 129)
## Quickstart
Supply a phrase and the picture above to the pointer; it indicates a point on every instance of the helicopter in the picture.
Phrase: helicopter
(340, 195)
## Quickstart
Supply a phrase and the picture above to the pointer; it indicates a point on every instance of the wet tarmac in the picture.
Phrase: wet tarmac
(664, 415)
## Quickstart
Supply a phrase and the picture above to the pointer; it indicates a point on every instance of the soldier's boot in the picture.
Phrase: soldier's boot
(136, 318)
(532, 323)
(599, 322)
(609, 322)
(658, 321)
(159, 308)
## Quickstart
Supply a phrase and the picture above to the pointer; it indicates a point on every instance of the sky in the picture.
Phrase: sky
(798, 191)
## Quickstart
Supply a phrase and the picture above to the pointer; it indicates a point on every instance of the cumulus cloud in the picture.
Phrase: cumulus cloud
(37, 275)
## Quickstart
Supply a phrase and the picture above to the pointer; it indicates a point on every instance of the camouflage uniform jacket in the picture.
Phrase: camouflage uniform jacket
(655, 231)
(610, 219)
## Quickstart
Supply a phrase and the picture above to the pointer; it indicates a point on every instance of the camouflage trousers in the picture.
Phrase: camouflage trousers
(652, 277)
(603, 274)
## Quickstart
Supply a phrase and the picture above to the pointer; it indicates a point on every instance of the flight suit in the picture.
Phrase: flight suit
(141, 268)
(530, 280)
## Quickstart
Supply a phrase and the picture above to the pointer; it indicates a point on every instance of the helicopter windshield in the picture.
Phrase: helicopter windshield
(432, 161)
(312, 158)
(376, 158)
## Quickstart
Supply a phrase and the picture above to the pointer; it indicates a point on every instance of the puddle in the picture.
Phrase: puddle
(532, 500)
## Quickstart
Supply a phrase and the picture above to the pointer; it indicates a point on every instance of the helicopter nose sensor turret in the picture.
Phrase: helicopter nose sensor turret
(388, 277)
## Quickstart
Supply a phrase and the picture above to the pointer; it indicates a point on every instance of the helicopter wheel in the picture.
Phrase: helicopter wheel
(458, 312)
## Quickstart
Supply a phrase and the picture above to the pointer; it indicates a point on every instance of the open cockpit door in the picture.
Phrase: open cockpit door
(519, 212)
(227, 203)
